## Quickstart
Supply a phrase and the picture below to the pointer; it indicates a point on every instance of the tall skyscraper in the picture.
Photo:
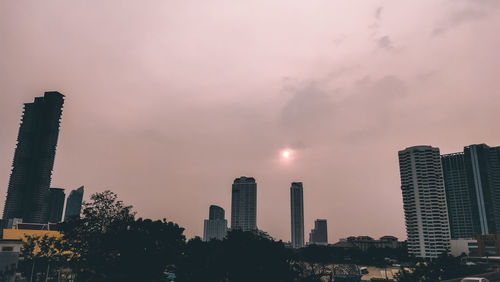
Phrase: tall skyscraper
(458, 197)
(28, 191)
(56, 204)
(297, 214)
(244, 204)
(74, 203)
(424, 201)
(472, 182)
(319, 235)
(215, 226)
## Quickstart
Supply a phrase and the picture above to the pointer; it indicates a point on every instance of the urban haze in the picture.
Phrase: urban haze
(167, 103)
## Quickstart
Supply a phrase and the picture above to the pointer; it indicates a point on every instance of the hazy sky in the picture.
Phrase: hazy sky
(168, 101)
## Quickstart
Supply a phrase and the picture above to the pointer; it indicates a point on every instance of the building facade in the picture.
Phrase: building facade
(319, 235)
(466, 247)
(472, 182)
(366, 242)
(297, 214)
(28, 191)
(10, 251)
(215, 227)
(424, 201)
(74, 203)
(488, 245)
(458, 197)
(483, 171)
(56, 204)
(244, 204)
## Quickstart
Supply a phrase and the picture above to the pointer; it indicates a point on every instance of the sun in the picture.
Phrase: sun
(286, 154)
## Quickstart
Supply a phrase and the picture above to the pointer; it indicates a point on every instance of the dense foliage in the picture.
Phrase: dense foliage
(107, 243)
(443, 268)
(242, 256)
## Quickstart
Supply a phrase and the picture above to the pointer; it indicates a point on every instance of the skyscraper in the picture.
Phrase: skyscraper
(215, 226)
(472, 182)
(424, 201)
(74, 203)
(458, 197)
(28, 191)
(56, 204)
(483, 173)
(297, 214)
(244, 204)
(319, 235)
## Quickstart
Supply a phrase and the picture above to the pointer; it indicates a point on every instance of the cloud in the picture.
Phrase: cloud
(464, 12)
(378, 12)
(385, 42)
(387, 87)
(308, 106)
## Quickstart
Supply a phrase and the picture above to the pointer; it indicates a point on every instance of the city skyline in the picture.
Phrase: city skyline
(466, 176)
(166, 103)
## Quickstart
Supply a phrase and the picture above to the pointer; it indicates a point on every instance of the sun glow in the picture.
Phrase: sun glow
(286, 154)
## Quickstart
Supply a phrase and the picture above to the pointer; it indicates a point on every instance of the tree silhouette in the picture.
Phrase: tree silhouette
(109, 244)
(241, 257)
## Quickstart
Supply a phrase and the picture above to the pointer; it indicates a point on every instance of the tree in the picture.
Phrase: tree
(442, 268)
(109, 244)
(42, 254)
(241, 257)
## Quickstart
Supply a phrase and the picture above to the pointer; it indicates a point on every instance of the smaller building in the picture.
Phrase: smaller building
(215, 227)
(460, 247)
(9, 256)
(19, 231)
(347, 273)
(319, 235)
(74, 203)
(56, 204)
(488, 245)
(366, 242)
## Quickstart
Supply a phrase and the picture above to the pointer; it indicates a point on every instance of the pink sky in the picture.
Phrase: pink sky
(168, 101)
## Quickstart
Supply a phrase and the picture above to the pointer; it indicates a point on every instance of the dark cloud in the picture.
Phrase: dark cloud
(385, 42)
(463, 12)
(307, 107)
(378, 12)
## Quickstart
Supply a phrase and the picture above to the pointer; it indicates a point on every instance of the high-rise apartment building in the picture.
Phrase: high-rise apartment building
(424, 201)
(215, 227)
(472, 182)
(319, 235)
(297, 214)
(28, 191)
(458, 197)
(483, 171)
(244, 204)
(74, 203)
(56, 204)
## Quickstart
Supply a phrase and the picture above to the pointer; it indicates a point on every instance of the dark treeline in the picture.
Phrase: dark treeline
(108, 243)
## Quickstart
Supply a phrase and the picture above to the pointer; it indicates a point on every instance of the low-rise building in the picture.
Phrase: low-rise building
(9, 256)
(466, 247)
(20, 231)
(488, 245)
(366, 242)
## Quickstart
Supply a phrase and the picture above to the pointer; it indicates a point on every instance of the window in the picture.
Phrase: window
(7, 249)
